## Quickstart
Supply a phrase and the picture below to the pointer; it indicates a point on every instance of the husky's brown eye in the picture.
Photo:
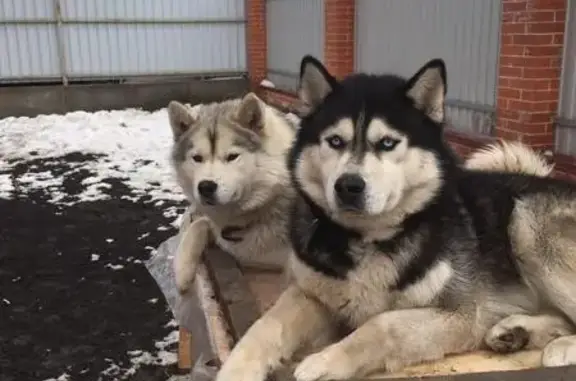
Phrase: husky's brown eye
(197, 158)
(335, 141)
(232, 156)
(387, 144)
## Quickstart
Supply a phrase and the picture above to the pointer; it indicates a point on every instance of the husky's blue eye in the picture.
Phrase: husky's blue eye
(387, 144)
(232, 156)
(335, 141)
(197, 158)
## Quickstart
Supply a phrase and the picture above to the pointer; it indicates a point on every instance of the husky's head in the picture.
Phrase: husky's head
(230, 153)
(370, 148)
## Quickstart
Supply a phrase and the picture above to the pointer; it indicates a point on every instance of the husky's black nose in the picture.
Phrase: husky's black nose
(349, 189)
(207, 188)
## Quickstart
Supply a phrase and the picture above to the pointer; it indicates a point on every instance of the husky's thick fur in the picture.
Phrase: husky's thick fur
(418, 257)
(512, 157)
(229, 159)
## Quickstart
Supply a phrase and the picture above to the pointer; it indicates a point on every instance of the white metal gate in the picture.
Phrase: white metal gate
(400, 36)
(48, 40)
(294, 28)
(566, 124)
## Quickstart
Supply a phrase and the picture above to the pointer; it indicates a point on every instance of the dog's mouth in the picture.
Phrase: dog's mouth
(215, 202)
(357, 209)
(209, 202)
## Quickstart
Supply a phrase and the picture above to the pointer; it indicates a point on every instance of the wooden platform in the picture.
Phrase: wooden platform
(241, 296)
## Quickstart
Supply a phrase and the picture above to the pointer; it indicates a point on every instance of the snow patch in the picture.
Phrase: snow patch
(133, 147)
(62, 377)
(114, 267)
(267, 83)
(164, 356)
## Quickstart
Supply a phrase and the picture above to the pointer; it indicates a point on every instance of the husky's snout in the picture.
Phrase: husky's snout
(207, 191)
(349, 189)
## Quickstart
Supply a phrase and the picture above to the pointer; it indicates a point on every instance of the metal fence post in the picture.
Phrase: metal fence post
(60, 42)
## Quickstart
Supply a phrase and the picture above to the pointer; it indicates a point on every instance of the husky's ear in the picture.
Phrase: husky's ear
(315, 82)
(251, 113)
(180, 118)
(427, 88)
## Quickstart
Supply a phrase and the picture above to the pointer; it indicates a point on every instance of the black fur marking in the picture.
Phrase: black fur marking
(319, 242)
(213, 137)
(247, 139)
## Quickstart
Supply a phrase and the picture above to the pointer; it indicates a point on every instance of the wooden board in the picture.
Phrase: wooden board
(184, 349)
(245, 294)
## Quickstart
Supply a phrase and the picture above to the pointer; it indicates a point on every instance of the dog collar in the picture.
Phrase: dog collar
(233, 233)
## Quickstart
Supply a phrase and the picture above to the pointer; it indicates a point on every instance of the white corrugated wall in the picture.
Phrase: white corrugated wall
(294, 28)
(566, 126)
(120, 38)
(400, 36)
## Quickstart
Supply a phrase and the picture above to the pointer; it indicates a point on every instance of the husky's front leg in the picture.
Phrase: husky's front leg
(194, 239)
(291, 323)
(392, 341)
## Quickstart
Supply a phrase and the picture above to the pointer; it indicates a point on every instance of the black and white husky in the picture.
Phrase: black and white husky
(416, 256)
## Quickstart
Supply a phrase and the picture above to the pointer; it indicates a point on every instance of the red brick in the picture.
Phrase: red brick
(514, 28)
(527, 61)
(541, 73)
(514, 6)
(529, 83)
(545, 27)
(511, 72)
(541, 16)
(540, 95)
(532, 106)
(532, 39)
(543, 51)
(508, 93)
(527, 128)
(547, 4)
(560, 15)
(512, 50)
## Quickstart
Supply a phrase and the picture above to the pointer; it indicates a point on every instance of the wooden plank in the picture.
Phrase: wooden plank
(184, 350)
(233, 292)
(537, 374)
(235, 296)
(197, 334)
(241, 310)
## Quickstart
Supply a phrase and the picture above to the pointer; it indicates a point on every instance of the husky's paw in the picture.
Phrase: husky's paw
(331, 363)
(518, 332)
(505, 338)
(560, 352)
(248, 367)
(184, 280)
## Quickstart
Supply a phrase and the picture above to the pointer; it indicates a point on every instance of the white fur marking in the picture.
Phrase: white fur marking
(424, 292)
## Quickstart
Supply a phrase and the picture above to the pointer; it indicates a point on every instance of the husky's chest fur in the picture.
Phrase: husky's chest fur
(369, 289)
(436, 263)
(258, 238)
(260, 244)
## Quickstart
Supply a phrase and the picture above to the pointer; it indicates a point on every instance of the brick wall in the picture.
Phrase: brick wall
(529, 69)
(532, 34)
(339, 36)
(256, 52)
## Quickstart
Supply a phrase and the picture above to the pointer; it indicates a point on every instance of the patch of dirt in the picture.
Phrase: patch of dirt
(62, 309)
